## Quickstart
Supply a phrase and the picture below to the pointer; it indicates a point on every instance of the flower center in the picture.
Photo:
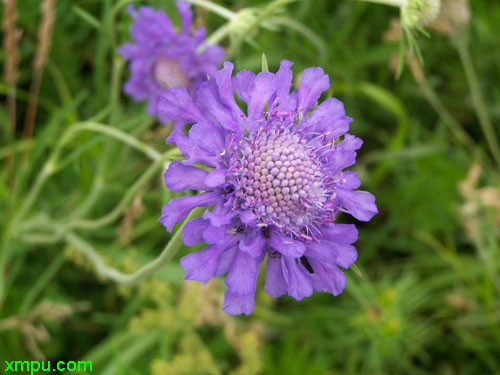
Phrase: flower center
(168, 73)
(280, 179)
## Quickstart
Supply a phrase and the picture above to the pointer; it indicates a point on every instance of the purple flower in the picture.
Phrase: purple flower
(275, 181)
(161, 57)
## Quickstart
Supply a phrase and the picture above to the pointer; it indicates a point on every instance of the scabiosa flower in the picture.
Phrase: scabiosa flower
(161, 57)
(275, 181)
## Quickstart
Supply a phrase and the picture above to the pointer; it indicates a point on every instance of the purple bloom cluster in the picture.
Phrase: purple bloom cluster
(161, 57)
(275, 179)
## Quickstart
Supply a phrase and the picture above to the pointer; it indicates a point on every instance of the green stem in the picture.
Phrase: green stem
(131, 193)
(50, 166)
(477, 98)
(110, 273)
(42, 282)
(108, 130)
(448, 119)
(217, 9)
(394, 3)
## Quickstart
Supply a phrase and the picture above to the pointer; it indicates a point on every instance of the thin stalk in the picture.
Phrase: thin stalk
(44, 42)
(478, 99)
(51, 164)
(122, 205)
(217, 9)
(113, 274)
(394, 3)
(445, 115)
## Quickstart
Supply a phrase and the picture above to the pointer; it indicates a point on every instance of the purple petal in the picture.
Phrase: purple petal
(180, 177)
(327, 278)
(216, 177)
(186, 16)
(253, 244)
(349, 180)
(210, 57)
(213, 235)
(340, 233)
(312, 83)
(262, 91)
(208, 95)
(242, 83)
(236, 305)
(299, 285)
(178, 208)
(223, 78)
(225, 261)
(151, 27)
(283, 81)
(248, 217)
(322, 251)
(359, 204)
(220, 215)
(242, 277)
(208, 137)
(275, 282)
(176, 104)
(347, 255)
(329, 117)
(286, 246)
(192, 231)
(201, 265)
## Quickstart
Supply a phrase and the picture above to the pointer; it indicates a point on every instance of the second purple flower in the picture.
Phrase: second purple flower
(162, 57)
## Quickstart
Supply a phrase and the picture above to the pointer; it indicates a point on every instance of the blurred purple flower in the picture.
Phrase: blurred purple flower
(161, 57)
(276, 185)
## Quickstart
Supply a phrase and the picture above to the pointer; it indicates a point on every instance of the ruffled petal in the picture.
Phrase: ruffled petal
(236, 305)
(223, 78)
(186, 16)
(296, 277)
(151, 27)
(286, 246)
(242, 277)
(179, 177)
(329, 118)
(201, 265)
(220, 215)
(327, 278)
(262, 90)
(208, 96)
(225, 261)
(213, 235)
(347, 255)
(176, 104)
(242, 83)
(248, 217)
(207, 136)
(312, 83)
(216, 177)
(359, 204)
(283, 83)
(177, 209)
(253, 244)
(322, 251)
(192, 233)
(349, 180)
(275, 282)
(340, 233)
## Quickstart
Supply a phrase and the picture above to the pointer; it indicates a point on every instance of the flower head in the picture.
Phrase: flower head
(276, 183)
(419, 13)
(161, 57)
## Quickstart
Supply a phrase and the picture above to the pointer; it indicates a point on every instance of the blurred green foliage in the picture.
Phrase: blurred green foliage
(429, 298)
